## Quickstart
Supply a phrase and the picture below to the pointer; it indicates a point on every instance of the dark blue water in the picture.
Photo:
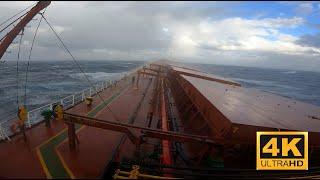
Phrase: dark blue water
(51, 81)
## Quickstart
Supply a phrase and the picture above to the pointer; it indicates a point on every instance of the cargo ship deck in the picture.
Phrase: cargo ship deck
(161, 116)
(46, 152)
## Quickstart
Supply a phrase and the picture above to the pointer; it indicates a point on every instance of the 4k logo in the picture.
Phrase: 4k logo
(282, 150)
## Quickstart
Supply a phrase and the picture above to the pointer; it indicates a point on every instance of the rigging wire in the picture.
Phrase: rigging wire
(12, 22)
(17, 14)
(13, 112)
(80, 68)
(9, 118)
(8, 114)
(19, 49)
(26, 79)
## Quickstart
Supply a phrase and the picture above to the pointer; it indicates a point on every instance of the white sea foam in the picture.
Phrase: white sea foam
(97, 76)
(290, 72)
(38, 100)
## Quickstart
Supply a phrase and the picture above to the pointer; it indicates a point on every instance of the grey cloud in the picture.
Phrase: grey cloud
(258, 59)
(133, 30)
(310, 40)
(206, 46)
(124, 26)
(121, 25)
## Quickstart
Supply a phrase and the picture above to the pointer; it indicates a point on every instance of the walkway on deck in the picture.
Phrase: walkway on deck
(46, 153)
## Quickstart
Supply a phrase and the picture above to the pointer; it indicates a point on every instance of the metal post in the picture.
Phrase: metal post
(82, 96)
(90, 92)
(72, 100)
(29, 121)
(164, 124)
(137, 82)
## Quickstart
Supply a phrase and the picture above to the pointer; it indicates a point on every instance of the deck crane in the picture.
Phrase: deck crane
(7, 40)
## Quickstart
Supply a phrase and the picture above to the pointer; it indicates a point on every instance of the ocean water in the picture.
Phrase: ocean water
(299, 85)
(51, 81)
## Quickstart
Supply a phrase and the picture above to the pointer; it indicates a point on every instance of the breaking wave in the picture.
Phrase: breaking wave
(290, 72)
(97, 76)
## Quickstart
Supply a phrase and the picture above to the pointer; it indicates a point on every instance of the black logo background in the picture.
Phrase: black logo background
(264, 139)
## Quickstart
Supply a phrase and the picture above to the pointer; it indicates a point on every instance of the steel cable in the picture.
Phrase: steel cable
(19, 49)
(26, 79)
(80, 68)
(17, 14)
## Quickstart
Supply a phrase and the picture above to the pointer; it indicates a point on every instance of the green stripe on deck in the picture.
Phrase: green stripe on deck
(103, 104)
(51, 159)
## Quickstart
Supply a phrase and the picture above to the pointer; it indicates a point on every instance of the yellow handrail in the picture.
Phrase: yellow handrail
(118, 176)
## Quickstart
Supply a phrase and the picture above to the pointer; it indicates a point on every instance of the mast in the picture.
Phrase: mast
(17, 29)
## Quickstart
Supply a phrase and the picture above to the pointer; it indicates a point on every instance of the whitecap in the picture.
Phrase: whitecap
(97, 76)
(290, 72)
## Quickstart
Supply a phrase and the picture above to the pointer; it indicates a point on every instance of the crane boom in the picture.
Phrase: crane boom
(24, 21)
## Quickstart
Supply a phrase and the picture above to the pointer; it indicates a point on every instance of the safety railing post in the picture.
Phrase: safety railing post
(29, 120)
(34, 116)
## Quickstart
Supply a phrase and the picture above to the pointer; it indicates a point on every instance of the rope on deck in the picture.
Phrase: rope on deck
(135, 174)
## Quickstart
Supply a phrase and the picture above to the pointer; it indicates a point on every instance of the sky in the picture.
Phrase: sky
(261, 34)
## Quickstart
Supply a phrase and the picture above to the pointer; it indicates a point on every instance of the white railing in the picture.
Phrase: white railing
(34, 116)
(4, 131)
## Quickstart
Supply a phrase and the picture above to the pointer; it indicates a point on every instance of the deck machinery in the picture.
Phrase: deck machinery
(203, 121)
(161, 121)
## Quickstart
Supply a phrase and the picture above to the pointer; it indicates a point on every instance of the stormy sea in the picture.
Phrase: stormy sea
(51, 81)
